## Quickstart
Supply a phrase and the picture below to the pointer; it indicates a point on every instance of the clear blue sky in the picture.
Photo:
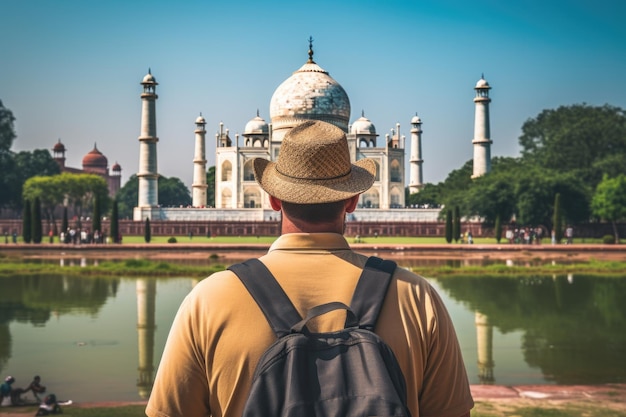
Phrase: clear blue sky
(71, 69)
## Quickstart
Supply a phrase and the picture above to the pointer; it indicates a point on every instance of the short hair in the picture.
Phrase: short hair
(314, 213)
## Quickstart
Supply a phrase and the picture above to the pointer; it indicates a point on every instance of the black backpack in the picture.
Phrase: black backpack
(350, 372)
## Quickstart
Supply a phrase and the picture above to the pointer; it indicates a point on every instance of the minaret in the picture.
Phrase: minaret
(199, 185)
(148, 174)
(146, 326)
(482, 142)
(58, 154)
(416, 181)
(484, 339)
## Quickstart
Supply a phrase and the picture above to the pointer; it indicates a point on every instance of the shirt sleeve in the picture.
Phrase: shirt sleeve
(445, 390)
(180, 387)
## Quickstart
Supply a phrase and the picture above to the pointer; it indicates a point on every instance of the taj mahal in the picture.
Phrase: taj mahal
(309, 93)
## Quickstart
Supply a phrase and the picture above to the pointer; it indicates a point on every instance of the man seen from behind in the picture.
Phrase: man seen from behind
(219, 332)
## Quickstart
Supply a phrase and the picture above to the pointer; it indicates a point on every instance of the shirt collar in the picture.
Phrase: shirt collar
(310, 242)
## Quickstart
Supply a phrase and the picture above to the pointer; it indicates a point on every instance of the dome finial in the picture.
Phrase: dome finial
(362, 113)
(311, 50)
(257, 113)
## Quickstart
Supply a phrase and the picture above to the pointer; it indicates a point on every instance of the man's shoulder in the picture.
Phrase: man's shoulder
(405, 275)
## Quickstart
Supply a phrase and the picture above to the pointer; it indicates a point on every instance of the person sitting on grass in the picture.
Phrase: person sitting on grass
(10, 395)
(50, 405)
(36, 387)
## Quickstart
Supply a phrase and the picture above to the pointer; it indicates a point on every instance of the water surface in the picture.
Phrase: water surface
(100, 339)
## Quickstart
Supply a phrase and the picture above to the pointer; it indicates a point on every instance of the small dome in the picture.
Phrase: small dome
(59, 147)
(95, 159)
(482, 83)
(200, 120)
(256, 126)
(416, 120)
(116, 167)
(149, 79)
(363, 125)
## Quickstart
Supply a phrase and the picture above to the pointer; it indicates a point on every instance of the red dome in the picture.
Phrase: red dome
(59, 147)
(95, 159)
(116, 167)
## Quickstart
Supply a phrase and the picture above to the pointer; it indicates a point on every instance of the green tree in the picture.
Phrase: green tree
(127, 197)
(557, 224)
(7, 130)
(27, 222)
(498, 229)
(172, 192)
(430, 196)
(456, 224)
(453, 191)
(80, 190)
(47, 189)
(609, 201)
(449, 226)
(8, 183)
(581, 139)
(24, 165)
(115, 227)
(493, 195)
(38, 162)
(64, 222)
(210, 191)
(535, 190)
(96, 217)
(37, 231)
(147, 235)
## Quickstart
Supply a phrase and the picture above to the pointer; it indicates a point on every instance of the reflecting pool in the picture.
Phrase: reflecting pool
(100, 339)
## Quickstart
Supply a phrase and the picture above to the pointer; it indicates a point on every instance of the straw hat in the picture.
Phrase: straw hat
(314, 167)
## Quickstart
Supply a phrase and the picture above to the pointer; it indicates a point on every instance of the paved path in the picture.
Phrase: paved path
(555, 392)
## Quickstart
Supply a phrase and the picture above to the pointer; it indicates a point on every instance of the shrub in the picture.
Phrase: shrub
(171, 240)
(608, 239)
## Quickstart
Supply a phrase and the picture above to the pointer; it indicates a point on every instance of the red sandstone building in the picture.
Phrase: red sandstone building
(93, 163)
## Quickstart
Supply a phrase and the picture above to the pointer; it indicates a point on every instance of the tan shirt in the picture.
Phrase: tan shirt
(219, 332)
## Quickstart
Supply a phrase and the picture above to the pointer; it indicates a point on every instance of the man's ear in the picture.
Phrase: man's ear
(351, 203)
(275, 203)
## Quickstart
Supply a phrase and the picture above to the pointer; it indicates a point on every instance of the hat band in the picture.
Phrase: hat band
(313, 179)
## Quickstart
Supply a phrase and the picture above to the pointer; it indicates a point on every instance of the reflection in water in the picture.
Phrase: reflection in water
(146, 301)
(36, 299)
(406, 259)
(573, 326)
(484, 338)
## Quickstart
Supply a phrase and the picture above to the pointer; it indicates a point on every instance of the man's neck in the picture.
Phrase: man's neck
(289, 226)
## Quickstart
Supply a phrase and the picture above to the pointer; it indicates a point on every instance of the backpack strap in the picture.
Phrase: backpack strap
(268, 294)
(370, 291)
(280, 312)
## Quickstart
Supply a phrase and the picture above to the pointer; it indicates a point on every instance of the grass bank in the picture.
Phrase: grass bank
(11, 266)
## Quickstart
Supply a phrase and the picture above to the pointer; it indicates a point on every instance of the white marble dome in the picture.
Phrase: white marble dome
(416, 120)
(258, 125)
(363, 126)
(149, 79)
(310, 93)
(482, 83)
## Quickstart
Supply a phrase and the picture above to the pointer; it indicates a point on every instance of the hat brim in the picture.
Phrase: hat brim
(307, 191)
